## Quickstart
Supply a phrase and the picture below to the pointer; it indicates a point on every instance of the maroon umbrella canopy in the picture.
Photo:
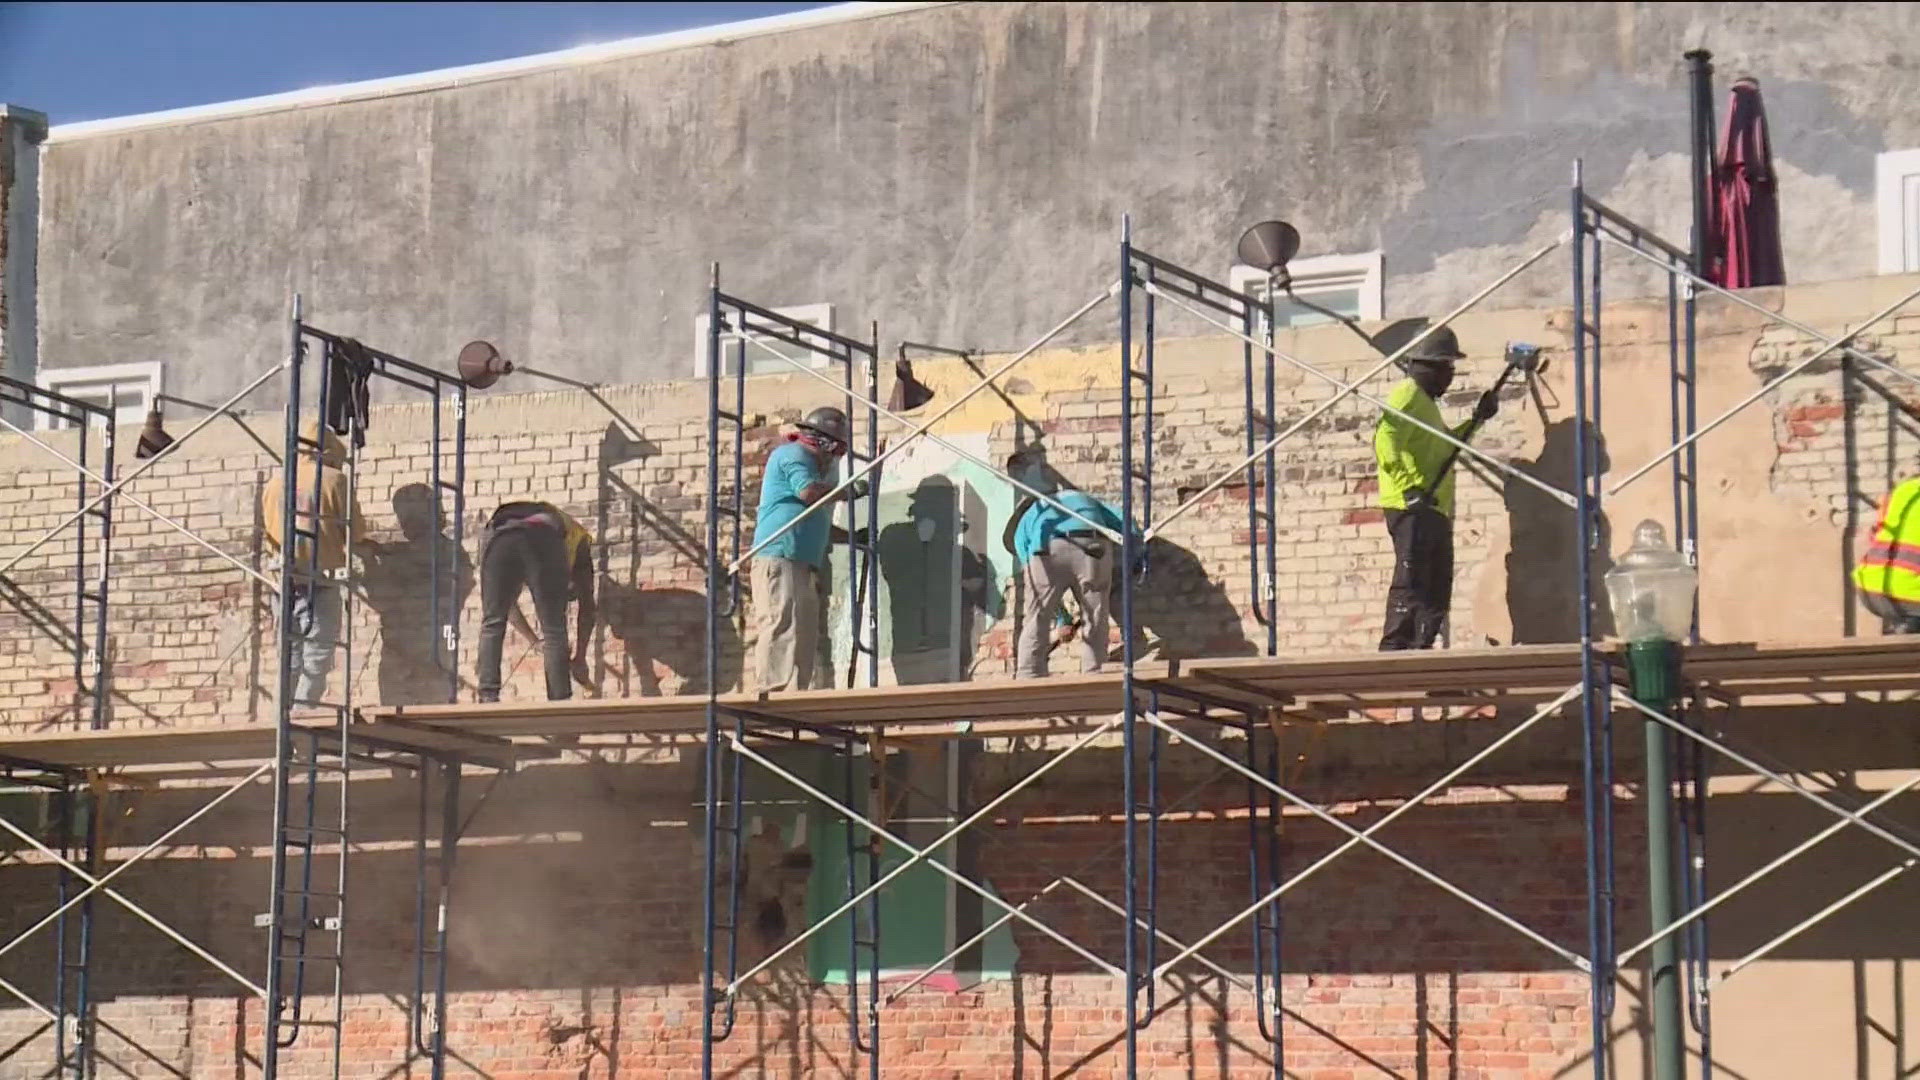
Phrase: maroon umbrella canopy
(1746, 197)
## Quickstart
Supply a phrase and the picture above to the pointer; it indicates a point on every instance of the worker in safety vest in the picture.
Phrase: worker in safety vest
(1417, 497)
(539, 547)
(1888, 576)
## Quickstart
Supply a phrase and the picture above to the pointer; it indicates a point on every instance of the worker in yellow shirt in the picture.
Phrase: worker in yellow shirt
(1888, 575)
(318, 574)
(1416, 491)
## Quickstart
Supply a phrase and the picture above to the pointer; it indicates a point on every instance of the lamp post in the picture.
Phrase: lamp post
(1651, 591)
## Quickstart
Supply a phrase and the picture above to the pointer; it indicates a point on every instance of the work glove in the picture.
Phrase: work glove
(859, 488)
(1486, 408)
(1419, 499)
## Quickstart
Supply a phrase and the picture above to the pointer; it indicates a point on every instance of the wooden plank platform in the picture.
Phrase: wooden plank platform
(249, 743)
(1311, 687)
(1304, 687)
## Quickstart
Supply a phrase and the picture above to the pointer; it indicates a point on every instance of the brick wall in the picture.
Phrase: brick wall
(576, 944)
(576, 928)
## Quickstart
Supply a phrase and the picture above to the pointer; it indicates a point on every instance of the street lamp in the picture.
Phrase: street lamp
(1651, 589)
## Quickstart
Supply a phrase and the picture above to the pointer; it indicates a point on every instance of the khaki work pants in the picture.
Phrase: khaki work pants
(1079, 565)
(790, 599)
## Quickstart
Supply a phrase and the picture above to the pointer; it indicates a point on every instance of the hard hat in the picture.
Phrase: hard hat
(1438, 347)
(828, 421)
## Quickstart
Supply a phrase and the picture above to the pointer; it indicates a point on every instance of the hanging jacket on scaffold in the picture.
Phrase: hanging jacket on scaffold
(1891, 564)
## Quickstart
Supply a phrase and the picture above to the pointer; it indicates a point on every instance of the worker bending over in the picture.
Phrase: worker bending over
(1060, 554)
(789, 574)
(536, 546)
(1416, 491)
(317, 601)
(1888, 575)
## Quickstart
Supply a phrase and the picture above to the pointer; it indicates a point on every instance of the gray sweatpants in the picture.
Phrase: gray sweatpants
(1068, 565)
(790, 600)
(315, 635)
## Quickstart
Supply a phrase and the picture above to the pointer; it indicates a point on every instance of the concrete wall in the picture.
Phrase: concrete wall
(21, 131)
(579, 904)
(956, 173)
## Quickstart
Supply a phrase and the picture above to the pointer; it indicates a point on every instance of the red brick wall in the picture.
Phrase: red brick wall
(576, 942)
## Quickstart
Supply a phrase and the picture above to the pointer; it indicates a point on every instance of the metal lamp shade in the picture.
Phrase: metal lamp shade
(153, 436)
(1269, 245)
(908, 393)
(481, 365)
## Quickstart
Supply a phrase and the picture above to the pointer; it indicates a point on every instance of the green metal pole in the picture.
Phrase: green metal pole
(1655, 666)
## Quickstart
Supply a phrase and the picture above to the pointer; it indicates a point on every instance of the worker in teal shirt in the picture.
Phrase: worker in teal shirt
(1059, 554)
(789, 574)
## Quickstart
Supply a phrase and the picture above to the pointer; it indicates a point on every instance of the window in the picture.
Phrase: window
(129, 389)
(758, 360)
(1348, 284)
(1897, 184)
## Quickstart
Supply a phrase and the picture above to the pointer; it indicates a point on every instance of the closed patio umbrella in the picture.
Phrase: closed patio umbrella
(1746, 197)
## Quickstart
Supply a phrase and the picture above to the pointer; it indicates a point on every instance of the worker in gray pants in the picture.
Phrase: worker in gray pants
(1061, 554)
(790, 581)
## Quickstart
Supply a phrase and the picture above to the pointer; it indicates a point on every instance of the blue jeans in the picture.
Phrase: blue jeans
(312, 637)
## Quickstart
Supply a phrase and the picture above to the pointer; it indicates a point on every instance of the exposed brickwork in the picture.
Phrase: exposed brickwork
(577, 920)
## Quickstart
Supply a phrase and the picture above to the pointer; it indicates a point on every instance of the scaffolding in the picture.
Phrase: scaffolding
(738, 322)
(1693, 729)
(1149, 707)
(76, 828)
(308, 756)
(1150, 697)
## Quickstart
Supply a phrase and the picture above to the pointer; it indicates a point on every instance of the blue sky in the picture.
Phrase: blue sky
(87, 61)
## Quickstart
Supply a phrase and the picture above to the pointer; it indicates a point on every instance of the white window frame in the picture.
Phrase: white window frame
(1323, 274)
(819, 316)
(145, 380)
(1897, 219)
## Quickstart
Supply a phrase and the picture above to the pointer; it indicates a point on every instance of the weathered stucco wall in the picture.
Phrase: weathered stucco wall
(956, 172)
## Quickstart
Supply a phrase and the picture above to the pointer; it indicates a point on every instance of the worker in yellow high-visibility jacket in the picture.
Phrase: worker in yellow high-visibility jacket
(1416, 491)
(1888, 575)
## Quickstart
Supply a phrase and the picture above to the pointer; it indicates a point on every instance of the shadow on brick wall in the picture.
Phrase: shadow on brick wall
(415, 664)
(1182, 612)
(940, 592)
(651, 568)
(1544, 535)
(662, 633)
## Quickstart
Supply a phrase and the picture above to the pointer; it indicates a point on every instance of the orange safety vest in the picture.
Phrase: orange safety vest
(1891, 564)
